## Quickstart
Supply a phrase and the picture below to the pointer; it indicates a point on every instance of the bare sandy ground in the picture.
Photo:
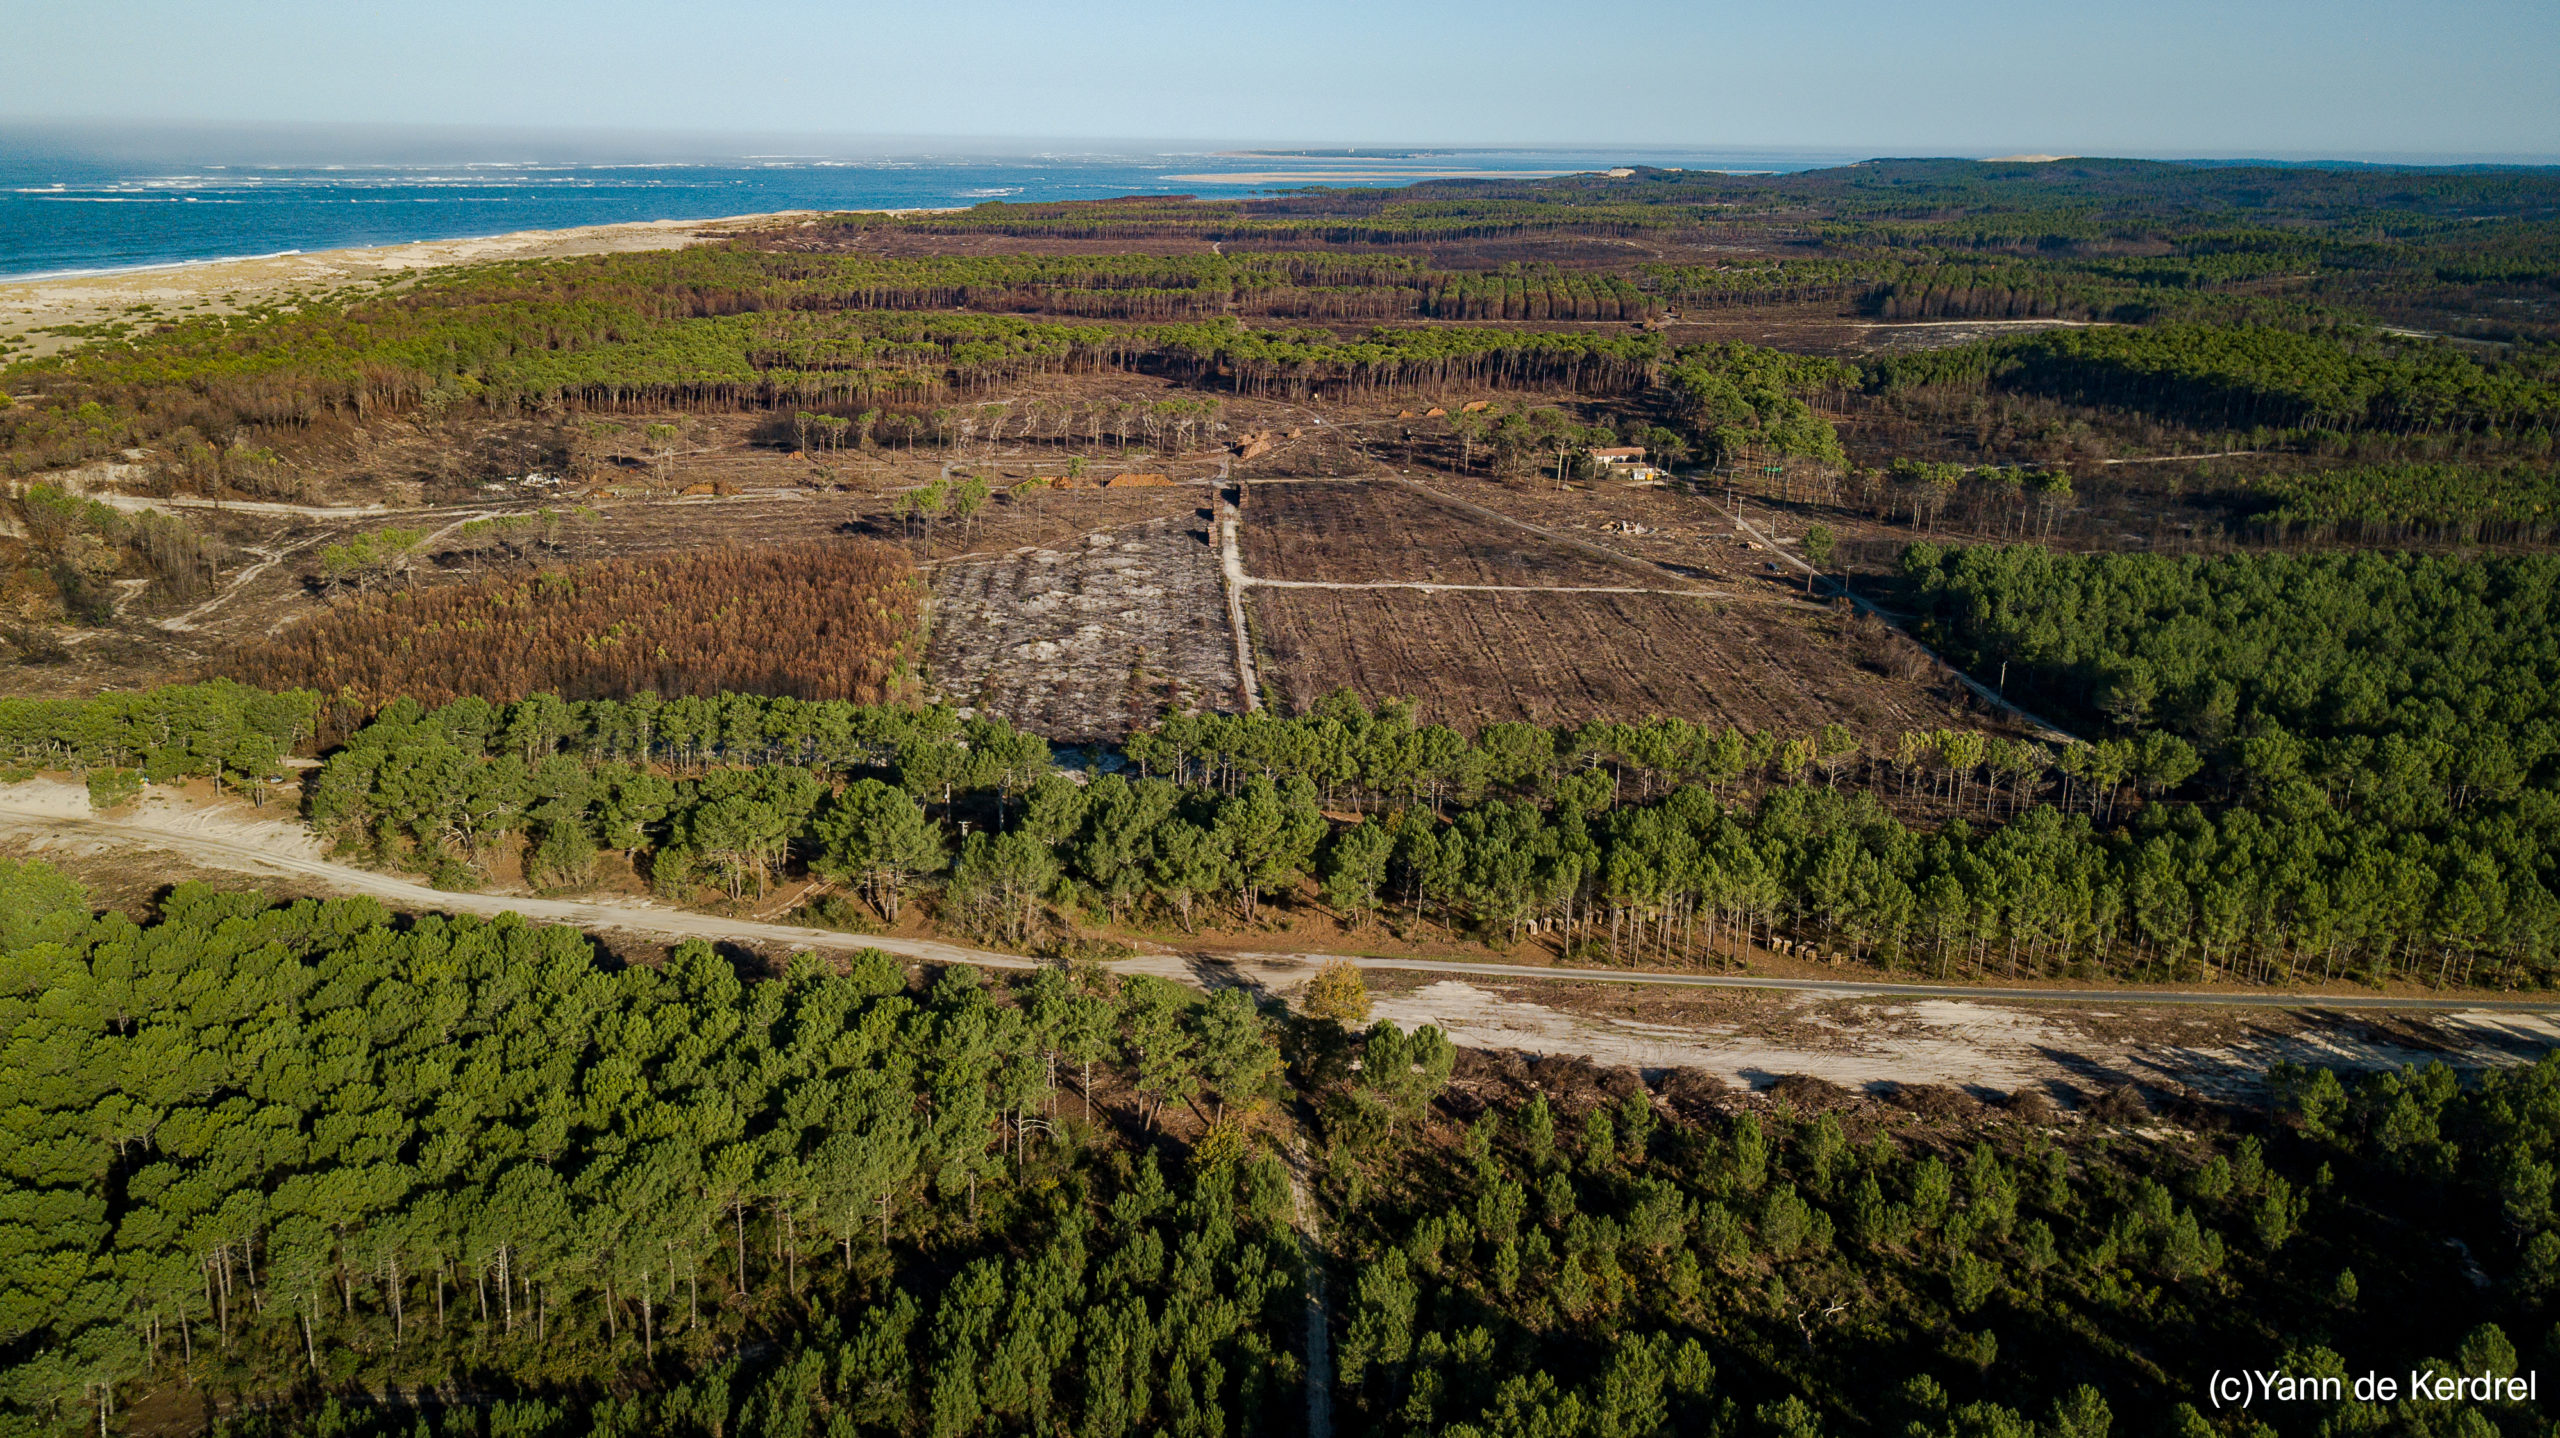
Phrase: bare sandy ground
(45, 817)
(1988, 1047)
(1905, 336)
(1858, 1036)
(225, 286)
(1081, 640)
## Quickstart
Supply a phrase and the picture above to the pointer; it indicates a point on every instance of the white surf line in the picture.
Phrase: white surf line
(1231, 566)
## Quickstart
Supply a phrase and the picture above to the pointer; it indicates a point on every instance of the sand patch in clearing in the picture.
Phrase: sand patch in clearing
(1933, 1041)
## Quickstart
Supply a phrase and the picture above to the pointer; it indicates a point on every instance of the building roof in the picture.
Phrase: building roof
(1622, 451)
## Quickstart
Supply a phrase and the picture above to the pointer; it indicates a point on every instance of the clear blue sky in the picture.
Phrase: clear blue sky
(2170, 77)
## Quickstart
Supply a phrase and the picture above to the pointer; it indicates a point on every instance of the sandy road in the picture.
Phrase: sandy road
(1877, 989)
(438, 521)
(1427, 587)
(51, 813)
(136, 503)
(2045, 728)
(1231, 568)
(46, 815)
(1749, 1029)
(1308, 1219)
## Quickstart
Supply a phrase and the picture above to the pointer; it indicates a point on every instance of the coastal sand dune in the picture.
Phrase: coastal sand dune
(223, 286)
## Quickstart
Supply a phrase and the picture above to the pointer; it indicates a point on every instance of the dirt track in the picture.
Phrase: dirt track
(2042, 728)
(46, 817)
(1749, 1030)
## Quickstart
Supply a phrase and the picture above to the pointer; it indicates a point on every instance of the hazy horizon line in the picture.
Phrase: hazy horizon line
(132, 138)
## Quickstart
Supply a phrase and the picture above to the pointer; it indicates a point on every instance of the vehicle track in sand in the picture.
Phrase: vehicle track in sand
(2044, 728)
(1750, 1029)
(1432, 587)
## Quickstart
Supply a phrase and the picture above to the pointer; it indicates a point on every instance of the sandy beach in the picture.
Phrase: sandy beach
(223, 286)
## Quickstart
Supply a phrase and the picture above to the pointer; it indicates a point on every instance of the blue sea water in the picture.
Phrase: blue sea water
(69, 204)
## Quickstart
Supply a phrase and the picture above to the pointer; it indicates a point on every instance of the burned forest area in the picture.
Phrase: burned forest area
(1909, 799)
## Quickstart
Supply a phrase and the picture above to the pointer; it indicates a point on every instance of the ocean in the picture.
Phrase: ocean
(69, 207)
